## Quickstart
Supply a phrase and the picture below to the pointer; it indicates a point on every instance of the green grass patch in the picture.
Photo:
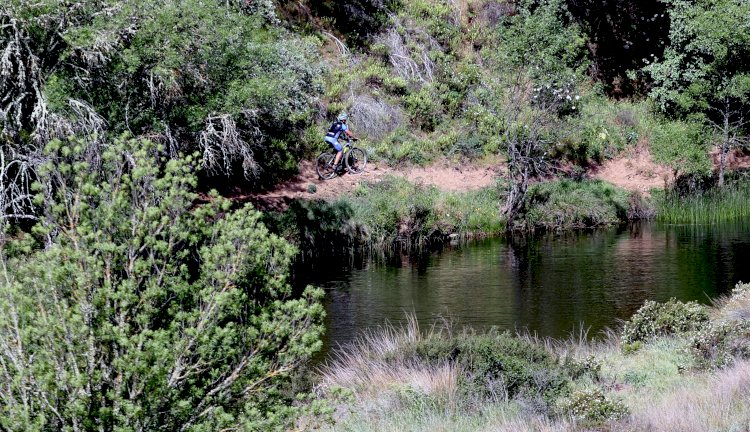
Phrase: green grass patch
(396, 210)
(716, 205)
(575, 204)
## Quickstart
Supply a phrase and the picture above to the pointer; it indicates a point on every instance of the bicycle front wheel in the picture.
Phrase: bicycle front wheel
(324, 166)
(356, 159)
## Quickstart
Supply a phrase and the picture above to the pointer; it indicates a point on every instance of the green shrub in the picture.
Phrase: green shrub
(499, 365)
(660, 319)
(589, 366)
(593, 406)
(720, 344)
(148, 304)
(606, 128)
(682, 146)
(567, 203)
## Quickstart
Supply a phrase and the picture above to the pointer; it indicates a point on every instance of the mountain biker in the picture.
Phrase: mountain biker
(332, 136)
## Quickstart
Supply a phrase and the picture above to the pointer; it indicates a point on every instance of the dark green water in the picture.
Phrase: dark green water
(552, 285)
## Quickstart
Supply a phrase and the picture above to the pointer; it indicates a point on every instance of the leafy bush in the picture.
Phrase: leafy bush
(197, 76)
(594, 406)
(720, 344)
(727, 338)
(660, 319)
(683, 146)
(606, 128)
(499, 366)
(143, 311)
(567, 203)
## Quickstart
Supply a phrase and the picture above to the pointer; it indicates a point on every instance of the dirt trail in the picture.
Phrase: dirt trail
(443, 175)
(632, 171)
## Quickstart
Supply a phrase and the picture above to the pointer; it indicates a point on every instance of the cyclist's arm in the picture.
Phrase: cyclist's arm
(350, 134)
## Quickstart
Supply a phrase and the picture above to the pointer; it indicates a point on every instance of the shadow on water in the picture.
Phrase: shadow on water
(551, 284)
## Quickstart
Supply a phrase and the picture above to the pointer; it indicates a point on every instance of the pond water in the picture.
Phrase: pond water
(552, 284)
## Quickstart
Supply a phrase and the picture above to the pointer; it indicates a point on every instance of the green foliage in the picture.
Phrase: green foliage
(594, 407)
(396, 210)
(683, 146)
(542, 39)
(499, 366)
(196, 76)
(727, 338)
(729, 203)
(662, 319)
(719, 345)
(567, 204)
(143, 311)
(700, 68)
(606, 128)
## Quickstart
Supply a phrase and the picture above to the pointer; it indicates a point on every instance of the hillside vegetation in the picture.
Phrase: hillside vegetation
(135, 297)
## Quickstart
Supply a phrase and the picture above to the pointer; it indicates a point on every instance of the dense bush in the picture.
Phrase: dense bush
(604, 129)
(720, 344)
(727, 338)
(567, 203)
(593, 406)
(195, 76)
(129, 308)
(661, 319)
(500, 366)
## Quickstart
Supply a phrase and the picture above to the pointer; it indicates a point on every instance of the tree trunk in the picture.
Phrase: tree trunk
(724, 149)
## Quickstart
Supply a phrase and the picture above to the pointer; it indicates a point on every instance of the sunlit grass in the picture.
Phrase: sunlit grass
(393, 387)
(717, 205)
(396, 210)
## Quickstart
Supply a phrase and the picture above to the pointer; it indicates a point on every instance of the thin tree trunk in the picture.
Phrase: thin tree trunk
(724, 148)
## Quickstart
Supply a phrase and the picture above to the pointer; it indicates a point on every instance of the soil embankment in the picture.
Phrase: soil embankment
(633, 171)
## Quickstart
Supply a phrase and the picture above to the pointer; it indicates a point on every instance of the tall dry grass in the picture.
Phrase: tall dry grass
(736, 306)
(719, 402)
(376, 369)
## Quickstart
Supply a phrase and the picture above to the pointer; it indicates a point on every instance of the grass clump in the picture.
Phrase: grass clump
(713, 206)
(661, 319)
(575, 204)
(395, 210)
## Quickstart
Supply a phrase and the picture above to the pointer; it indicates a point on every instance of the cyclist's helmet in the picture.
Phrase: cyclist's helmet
(342, 117)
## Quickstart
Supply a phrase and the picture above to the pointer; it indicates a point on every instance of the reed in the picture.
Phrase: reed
(713, 206)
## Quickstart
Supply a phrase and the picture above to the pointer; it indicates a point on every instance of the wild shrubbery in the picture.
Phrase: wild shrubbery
(727, 338)
(592, 406)
(219, 78)
(568, 204)
(128, 307)
(663, 319)
(499, 366)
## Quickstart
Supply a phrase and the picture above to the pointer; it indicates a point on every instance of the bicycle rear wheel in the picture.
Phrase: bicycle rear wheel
(356, 159)
(324, 166)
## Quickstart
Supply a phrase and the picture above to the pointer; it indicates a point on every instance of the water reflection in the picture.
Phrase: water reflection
(551, 284)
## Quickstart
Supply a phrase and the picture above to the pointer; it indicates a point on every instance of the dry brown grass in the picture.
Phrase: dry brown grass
(375, 369)
(735, 307)
(718, 402)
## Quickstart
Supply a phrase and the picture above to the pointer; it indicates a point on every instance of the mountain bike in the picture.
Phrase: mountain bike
(354, 161)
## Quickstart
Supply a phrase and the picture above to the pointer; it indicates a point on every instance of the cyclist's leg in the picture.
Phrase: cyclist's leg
(337, 146)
